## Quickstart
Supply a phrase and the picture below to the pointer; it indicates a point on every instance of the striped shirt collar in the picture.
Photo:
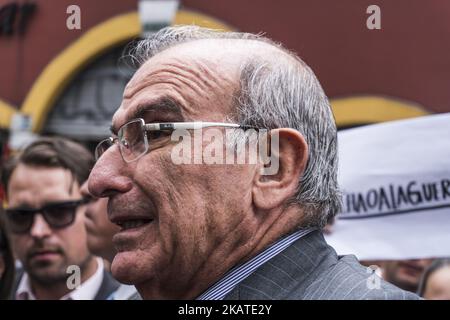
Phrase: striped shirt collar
(232, 278)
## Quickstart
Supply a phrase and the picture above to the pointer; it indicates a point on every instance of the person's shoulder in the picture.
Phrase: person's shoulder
(349, 280)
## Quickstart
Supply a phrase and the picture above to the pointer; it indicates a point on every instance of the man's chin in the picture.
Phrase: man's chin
(44, 266)
(124, 269)
(48, 275)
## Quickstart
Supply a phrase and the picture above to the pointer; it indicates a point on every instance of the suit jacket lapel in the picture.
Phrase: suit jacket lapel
(109, 285)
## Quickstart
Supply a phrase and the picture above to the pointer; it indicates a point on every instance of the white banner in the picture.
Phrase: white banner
(395, 178)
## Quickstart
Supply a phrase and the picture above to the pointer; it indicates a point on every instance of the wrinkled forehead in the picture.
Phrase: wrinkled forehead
(184, 83)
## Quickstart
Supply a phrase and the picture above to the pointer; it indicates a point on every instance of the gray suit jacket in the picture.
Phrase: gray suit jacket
(310, 269)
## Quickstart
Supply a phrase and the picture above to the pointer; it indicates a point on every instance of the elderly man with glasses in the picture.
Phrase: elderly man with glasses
(45, 215)
(225, 229)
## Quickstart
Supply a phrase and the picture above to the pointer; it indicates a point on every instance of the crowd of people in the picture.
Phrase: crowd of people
(132, 224)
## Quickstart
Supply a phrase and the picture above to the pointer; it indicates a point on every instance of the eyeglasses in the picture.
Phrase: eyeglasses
(58, 215)
(134, 141)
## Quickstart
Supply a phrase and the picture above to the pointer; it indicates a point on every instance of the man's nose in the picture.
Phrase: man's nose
(40, 228)
(108, 175)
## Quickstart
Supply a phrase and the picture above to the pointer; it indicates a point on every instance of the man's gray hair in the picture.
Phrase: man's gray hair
(282, 92)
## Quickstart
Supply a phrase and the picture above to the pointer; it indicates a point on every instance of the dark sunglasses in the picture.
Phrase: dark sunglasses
(58, 215)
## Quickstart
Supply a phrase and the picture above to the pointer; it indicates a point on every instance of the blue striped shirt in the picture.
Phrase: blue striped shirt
(236, 275)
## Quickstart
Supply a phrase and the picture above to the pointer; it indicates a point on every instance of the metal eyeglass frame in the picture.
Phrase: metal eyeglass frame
(163, 126)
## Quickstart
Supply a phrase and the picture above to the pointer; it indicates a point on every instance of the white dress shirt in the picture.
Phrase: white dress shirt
(86, 291)
(124, 292)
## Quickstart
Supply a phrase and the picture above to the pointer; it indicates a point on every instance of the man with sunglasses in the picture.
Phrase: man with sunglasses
(222, 229)
(45, 215)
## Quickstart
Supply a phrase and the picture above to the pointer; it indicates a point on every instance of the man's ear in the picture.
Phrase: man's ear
(272, 190)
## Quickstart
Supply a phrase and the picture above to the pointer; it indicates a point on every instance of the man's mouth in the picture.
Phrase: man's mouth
(44, 254)
(133, 230)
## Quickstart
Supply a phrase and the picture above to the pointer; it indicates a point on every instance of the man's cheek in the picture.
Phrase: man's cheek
(18, 247)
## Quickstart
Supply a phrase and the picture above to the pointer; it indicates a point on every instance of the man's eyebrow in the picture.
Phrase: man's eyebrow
(164, 107)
